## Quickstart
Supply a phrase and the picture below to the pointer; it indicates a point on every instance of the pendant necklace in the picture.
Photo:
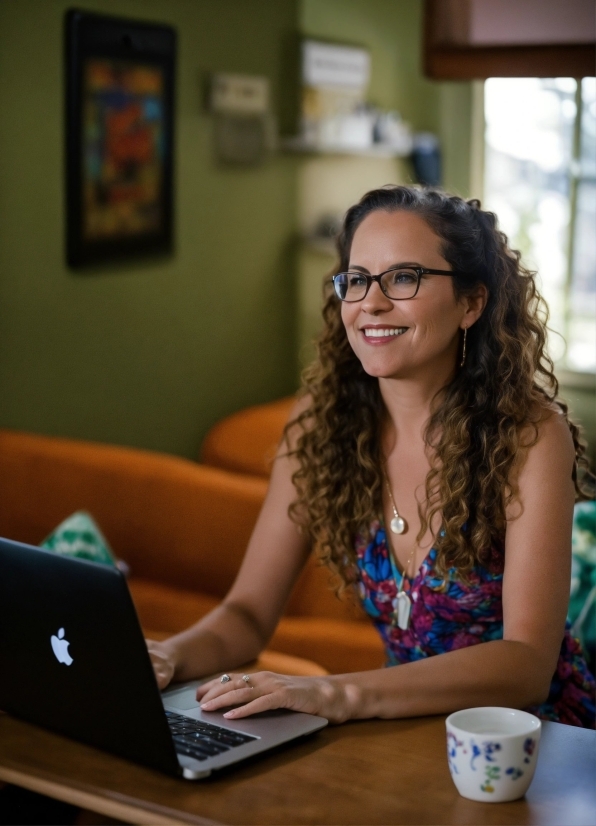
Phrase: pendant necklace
(398, 523)
(402, 604)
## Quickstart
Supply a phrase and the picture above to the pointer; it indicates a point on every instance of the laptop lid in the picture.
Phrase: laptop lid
(73, 655)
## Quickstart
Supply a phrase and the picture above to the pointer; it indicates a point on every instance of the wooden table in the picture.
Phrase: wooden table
(385, 772)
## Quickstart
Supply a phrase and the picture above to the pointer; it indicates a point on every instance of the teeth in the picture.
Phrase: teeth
(371, 332)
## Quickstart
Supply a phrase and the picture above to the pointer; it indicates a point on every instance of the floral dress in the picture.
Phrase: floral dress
(446, 615)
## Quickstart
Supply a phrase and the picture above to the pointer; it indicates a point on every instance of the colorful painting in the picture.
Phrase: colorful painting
(123, 134)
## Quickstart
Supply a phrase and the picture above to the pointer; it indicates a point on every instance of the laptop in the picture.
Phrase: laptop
(74, 660)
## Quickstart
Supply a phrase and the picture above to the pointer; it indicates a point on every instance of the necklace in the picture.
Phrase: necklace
(402, 604)
(398, 523)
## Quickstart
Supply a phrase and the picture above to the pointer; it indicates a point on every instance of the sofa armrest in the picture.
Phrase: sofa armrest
(246, 441)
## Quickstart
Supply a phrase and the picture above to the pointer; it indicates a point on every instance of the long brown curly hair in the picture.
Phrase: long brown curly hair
(479, 423)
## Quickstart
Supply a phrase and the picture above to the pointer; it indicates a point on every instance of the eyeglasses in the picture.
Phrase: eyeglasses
(398, 284)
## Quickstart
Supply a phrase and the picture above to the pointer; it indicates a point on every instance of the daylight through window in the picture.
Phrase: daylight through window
(540, 179)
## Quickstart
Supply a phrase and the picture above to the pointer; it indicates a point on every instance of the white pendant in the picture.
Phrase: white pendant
(402, 605)
(397, 525)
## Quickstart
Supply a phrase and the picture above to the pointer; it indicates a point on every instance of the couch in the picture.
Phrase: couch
(246, 441)
(182, 527)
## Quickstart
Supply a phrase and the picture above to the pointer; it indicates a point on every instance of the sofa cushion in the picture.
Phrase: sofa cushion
(337, 645)
(314, 595)
(287, 664)
(166, 609)
(340, 646)
(246, 442)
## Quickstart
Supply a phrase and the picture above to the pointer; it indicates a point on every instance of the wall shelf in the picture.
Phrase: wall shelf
(300, 146)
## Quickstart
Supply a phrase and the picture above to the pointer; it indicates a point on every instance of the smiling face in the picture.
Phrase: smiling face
(403, 339)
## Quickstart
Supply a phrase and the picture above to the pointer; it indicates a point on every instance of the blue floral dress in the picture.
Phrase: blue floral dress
(448, 614)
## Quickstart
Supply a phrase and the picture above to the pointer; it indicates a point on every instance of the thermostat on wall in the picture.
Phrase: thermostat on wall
(244, 130)
(240, 94)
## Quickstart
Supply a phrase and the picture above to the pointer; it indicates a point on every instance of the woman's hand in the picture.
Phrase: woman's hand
(163, 662)
(264, 690)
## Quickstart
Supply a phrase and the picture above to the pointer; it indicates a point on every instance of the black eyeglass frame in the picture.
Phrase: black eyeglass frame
(420, 271)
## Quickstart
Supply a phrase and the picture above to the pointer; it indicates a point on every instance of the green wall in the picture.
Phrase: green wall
(149, 354)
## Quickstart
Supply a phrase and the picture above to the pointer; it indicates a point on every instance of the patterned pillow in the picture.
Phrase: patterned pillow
(80, 536)
(582, 604)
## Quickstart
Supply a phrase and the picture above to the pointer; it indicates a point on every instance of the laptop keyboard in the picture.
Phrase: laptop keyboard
(202, 740)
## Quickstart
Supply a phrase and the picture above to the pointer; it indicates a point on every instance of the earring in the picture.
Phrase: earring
(463, 355)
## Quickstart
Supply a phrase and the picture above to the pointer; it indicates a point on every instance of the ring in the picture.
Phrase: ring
(246, 678)
(225, 678)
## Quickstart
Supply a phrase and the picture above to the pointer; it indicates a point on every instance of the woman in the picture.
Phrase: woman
(430, 464)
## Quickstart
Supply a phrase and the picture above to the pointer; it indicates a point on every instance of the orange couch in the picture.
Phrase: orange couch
(182, 527)
(245, 442)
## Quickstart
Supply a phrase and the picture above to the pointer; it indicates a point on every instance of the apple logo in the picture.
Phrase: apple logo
(60, 648)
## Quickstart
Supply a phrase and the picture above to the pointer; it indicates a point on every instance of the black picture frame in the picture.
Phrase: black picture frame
(119, 111)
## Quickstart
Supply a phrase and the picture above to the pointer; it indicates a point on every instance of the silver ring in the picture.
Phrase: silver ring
(225, 678)
(246, 678)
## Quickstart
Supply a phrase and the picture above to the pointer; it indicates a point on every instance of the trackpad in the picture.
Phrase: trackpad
(184, 699)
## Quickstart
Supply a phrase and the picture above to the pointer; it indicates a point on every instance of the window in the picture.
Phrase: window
(540, 179)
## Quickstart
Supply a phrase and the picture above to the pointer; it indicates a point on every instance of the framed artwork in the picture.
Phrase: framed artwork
(119, 138)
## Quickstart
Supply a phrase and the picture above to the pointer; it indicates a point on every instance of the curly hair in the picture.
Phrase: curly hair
(479, 422)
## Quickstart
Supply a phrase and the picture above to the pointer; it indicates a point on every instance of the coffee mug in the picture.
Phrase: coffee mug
(492, 752)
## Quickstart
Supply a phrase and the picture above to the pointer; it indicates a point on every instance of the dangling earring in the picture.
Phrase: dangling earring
(463, 355)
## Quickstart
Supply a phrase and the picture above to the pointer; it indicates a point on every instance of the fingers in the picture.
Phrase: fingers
(163, 674)
(214, 688)
(264, 703)
(163, 667)
(259, 693)
(265, 691)
(235, 683)
(229, 698)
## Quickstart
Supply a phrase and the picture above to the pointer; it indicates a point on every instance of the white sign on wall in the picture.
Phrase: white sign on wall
(326, 65)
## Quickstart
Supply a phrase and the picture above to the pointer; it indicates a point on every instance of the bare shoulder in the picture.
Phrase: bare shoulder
(550, 446)
(554, 433)
(543, 474)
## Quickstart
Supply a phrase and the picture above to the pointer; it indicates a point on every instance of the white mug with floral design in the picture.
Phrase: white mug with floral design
(492, 752)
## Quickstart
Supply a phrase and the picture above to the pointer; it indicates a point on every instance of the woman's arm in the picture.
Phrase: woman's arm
(515, 671)
(238, 630)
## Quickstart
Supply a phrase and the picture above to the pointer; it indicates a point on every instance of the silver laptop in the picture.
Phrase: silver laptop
(75, 661)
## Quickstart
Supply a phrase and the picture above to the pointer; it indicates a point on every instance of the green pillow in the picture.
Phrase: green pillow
(582, 603)
(79, 536)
